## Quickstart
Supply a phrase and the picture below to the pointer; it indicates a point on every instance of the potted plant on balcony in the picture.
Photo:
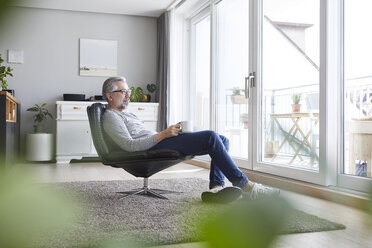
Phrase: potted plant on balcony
(244, 119)
(4, 72)
(296, 106)
(237, 97)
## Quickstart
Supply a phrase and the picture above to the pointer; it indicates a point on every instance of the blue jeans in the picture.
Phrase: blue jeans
(217, 146)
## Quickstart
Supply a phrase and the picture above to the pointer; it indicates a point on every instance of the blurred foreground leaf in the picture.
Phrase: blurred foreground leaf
(30, 211)
(247, 224)
(370, 202)
(4, 4)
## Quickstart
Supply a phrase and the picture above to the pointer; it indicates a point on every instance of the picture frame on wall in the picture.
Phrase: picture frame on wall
(15, 56)
(98, 57)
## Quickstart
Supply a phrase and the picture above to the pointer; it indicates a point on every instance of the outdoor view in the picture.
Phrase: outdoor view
(231, 69)
(358, 88)
(290, 83)
(202, 74)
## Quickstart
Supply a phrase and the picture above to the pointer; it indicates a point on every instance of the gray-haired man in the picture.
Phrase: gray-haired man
(130, 134)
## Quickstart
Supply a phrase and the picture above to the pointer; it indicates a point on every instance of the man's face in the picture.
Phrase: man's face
(120, 97)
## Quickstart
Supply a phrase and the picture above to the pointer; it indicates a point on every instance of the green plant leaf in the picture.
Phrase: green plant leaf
(137, 94)
(42, 113)
(4, 72)
(4, 85)
(33, 109)
(151, 88)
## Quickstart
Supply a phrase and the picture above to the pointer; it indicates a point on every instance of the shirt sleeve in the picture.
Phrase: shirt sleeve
(116, 129)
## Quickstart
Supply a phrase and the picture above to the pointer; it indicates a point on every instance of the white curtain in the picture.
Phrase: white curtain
(178, 90)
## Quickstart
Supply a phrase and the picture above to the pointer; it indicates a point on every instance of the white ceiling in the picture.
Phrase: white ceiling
(153, 8)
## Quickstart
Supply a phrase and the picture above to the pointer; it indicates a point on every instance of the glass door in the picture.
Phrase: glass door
(200, 70)
(285, 47)
(356, 172)
(230, 70)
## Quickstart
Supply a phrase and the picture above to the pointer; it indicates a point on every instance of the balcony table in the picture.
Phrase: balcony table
(290, 135)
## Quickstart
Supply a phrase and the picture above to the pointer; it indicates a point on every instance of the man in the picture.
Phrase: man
(130, 134)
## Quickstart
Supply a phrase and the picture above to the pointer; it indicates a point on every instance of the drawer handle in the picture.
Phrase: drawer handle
(77, 108)
(141, 108)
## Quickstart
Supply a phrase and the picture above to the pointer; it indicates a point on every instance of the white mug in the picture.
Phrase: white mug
(187, 126)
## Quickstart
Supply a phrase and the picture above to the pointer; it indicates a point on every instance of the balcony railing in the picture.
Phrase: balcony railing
(357, 105)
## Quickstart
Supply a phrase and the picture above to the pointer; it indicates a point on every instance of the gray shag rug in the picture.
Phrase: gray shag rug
(147, 220)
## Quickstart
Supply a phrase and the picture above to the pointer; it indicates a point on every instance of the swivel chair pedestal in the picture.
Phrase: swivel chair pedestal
(145, 190)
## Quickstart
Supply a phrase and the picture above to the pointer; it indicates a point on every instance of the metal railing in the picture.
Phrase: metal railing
(279, 101)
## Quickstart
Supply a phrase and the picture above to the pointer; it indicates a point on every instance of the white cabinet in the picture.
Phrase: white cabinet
(74, 139)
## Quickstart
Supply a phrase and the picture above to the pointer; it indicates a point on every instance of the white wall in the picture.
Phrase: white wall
(50, 41)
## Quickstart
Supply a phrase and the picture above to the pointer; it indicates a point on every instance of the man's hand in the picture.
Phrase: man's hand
(169, 132)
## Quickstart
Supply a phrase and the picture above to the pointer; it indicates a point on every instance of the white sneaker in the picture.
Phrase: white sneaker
(261, 191)
(222, 195)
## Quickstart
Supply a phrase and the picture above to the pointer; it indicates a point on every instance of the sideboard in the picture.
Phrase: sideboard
(73, 136)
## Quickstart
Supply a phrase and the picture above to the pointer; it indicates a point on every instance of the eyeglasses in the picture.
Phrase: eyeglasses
(124, 92)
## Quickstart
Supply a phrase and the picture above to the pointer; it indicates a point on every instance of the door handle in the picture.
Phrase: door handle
(246, 87)
(249, 83)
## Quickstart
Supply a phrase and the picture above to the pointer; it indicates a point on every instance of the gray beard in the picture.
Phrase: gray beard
(122, 106)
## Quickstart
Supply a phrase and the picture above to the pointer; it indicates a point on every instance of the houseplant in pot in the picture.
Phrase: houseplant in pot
(41, 115)
(296, 106)
(39, 145)
(237, 97)
(151, 88)
(4, 72)
(137, 94)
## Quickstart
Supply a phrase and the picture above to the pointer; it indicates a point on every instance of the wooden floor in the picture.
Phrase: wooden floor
(358, 232)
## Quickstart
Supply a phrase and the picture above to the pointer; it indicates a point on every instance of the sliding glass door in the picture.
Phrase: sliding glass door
(357, 95)
(285, 49)
(264, 73)
(200, 70)
(230, 71)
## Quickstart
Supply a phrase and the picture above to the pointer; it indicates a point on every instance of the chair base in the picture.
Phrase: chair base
(145, 190)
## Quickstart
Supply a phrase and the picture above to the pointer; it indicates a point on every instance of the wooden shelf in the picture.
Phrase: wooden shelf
(10, 118)
(11, 107)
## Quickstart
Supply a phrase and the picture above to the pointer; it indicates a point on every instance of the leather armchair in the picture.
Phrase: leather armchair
(140, 164)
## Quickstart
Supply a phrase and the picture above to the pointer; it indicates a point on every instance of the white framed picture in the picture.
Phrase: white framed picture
(15, 56)
(98, 57)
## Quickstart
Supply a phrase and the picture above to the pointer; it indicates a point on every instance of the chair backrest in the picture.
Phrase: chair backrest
(100, 141)
(312, 103)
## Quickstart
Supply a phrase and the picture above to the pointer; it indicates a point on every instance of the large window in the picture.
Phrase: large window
(287, 52)
(200, 67)
(358, 88)
(231, 69)
(290, 83)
